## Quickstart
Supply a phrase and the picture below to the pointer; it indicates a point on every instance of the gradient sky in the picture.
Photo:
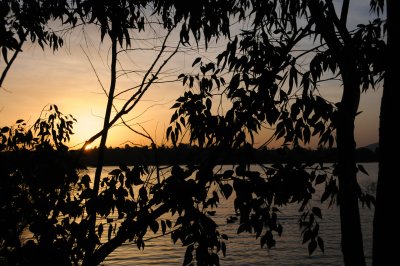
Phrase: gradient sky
(66, 78)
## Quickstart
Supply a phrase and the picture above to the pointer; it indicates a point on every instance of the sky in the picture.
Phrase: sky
(70, 78)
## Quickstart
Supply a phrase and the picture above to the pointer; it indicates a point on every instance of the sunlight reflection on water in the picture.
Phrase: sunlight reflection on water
(244, 249)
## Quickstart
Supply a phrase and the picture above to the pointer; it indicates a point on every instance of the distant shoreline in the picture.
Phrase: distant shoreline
(188, 155)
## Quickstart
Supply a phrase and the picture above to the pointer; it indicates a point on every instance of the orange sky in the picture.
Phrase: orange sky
(65, 78)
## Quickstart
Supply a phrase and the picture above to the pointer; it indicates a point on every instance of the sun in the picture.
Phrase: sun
(88, 147)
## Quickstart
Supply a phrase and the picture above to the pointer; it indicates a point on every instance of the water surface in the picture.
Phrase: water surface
(244, 249)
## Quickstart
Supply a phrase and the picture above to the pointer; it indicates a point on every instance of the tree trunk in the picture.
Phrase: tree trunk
(343, 52)
(352, 242)
(384, 223)
(102, 147)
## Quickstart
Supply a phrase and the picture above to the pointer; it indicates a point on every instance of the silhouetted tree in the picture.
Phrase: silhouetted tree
(264, 71)
(383, 220)
(130, 200)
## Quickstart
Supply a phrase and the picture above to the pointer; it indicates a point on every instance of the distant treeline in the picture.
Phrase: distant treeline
(194, 155)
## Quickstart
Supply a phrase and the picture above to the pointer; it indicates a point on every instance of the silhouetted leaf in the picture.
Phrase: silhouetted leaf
(234, 83)
(110, 228)
(163, 227)
(100, 230)
(307, 236)
(174, 117)
(86, 194)
(143, 194)
(326, 194)
(312, 246)
(169, 224)
(241, 228)
(223, 248)
(154, 226)
(115, 172)
(188, 255)
(197, 60)
(85, 180)
(4, 51)
(140, 243)
(279, 229)
(227, 190)
(320, 179)
(270, 239)
(228, 174)
(321, 244)
(208, 104)
(317, 212)
(263, 240)
(362, 169)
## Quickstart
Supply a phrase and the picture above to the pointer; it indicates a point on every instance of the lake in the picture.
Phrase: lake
(244, 249)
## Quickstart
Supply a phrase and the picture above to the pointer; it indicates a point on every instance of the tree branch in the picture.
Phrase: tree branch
(8, 65)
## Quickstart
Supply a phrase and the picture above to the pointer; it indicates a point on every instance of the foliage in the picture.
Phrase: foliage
(20, 19)
(45, 195)
(46, 198)
(267, 86)
(37, 179)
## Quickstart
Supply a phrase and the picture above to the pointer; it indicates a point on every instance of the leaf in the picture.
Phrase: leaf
(306, 134)
(85, 180)
(188, 255)
(169, 129)
(86, 194)
(169, 224)
(224, 236)
(263, 240)
(326, 194)
(115, 172)
(270, 239)
(223, 248)
(4, 51)
(163, 227)
(176, 105)
(140, 243)
(100, 230)
(279, 229)
(228, 173)
(317, 212)
(241, 228)
(362, 169)
(275, 209)
(143, 194)
(312, 246)
(110, 228)
(174, 117)
(320, 179)
(234, 84)
(227, 190)
(197, 60)
(208, 104)
(175, 236)
(154, 226)
(307, 236)
(321, 244)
